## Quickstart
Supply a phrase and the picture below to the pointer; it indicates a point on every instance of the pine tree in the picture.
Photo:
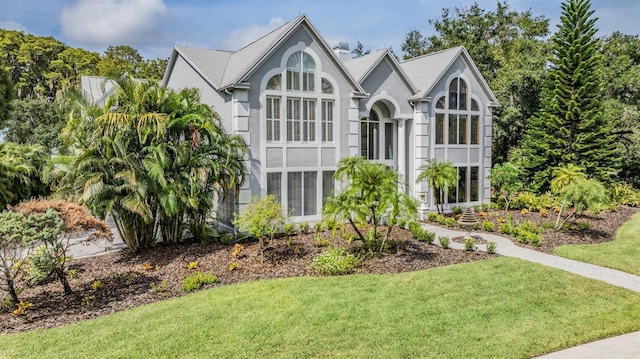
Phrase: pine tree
(570, 127)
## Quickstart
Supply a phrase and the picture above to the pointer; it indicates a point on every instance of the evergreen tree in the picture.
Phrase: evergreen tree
(570, 127)
(359, 51)
(414, 44)
(6, 95)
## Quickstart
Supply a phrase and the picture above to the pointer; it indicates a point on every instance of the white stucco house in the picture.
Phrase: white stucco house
(302, 105)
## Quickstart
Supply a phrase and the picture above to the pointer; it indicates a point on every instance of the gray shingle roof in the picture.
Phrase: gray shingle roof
(425, 71)
(360, 66)
(211, 63)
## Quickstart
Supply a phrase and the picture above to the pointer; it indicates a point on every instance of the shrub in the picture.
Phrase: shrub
(39, 266)
(544, 213)
(469, 245)
(162, 287)
(444, 241)
(440, 219)
(304, 227)
(233, 266)
(584, 226)
(18, 234)
(79, 227)
(321, 242)
(192, 265)
(289, 229)
(196, 280)
(318, 227)
(226, 238)
(488, 226)
(426, 236)
(485, 206)
(450, 222)
(97, 284)
(526, 200)
(491, 247)
(237, 250)
(506, 225)
(524, 211)
(457, 210)
(431, 217)
(261, 219)
(624, 194)
(335, 262)
(528, 232)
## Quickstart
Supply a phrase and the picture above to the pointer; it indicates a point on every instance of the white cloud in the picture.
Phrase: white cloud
(12, 25)
(114, 22)
(242, 37)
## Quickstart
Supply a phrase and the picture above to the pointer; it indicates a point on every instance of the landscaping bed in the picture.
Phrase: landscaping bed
(584, 229)
(117, 281)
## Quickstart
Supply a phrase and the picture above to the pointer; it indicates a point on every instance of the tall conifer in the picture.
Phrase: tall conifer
(570, 127)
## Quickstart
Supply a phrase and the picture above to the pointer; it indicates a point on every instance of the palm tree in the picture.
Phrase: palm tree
(440, 176)
(373, 191)
(154, 160)
(564, 178)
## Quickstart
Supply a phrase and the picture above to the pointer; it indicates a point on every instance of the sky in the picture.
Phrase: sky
(153, 27)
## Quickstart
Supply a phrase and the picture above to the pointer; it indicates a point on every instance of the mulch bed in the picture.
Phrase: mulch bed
(583, 229)
(129, 280)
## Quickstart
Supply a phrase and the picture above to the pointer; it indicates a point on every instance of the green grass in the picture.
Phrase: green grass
(623, 253)
(497, 308)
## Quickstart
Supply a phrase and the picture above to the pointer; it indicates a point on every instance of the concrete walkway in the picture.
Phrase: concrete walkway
(623, 347)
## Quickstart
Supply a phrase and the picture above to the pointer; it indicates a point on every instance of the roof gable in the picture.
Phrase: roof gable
(428, 70)
(363, 66)
(225, 69)
(256, 53)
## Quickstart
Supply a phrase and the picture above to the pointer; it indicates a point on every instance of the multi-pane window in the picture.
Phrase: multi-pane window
(301, 72)
(301, 193)
(308, 103)
(308, 120)
(274, 184)
(301, 119)
(454, 123)
(328, 185)
(468, 186)
(294, 119)
(369, 128)
(327, 120)
(273, 118)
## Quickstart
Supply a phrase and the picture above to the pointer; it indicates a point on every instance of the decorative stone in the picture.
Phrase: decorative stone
(469, 218)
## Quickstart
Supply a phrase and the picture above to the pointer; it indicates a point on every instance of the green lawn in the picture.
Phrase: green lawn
(623, 253)
(497, 308)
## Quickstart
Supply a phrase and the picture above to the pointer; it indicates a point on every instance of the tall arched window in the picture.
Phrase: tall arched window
(455, 123)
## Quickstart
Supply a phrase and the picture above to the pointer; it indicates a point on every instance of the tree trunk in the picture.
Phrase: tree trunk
(12, 291)
(63, 279)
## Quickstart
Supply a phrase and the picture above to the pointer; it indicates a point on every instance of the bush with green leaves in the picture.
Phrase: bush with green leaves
(457, 210)
(426, 236)
(431, 217)
(444, 241)
(508, 226)
(491, 247)
(624, 194)
(441, 219)
(79, 227)
(196, 280)
(469, 244)
(39, 266)
(304, 227)
(335, 262)
(488, 226)
(450, 222)
(262, 219)
(289, 229)
(19, 233)
(528, 232)
(505, 179)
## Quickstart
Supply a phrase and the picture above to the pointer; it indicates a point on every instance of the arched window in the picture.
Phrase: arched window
(275, 83)
(301, 72)
(327, 88)
(455, 124)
